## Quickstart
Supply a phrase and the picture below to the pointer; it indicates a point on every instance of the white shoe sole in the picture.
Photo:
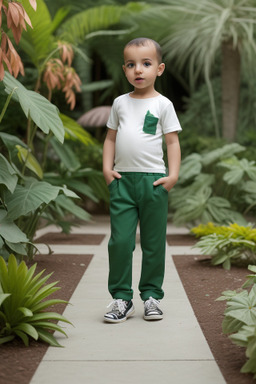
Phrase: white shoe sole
(129, 313)
(153, 317)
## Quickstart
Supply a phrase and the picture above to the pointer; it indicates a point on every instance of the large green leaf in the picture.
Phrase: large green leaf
(221, 212)
(224, 152)
(29, 197)
(193, 206)
(27, 329)
(30, 161)
(96, 19)
(230, 325)
(48, 325)
(190, 167)
(7, 174)
(66, 155)
(9, 231)
(42, 112)
(3, 296)
(10, 141)
(74, 131)
(74, 184)
(237, 170)
(18, 248)
(45, 316)
(97, 85)
(48, 338)
(37, 42)
(70, 206)
(241, 338)
(243, 307)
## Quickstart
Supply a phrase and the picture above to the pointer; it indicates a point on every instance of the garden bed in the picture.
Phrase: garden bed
(17, 362)
(203, 284)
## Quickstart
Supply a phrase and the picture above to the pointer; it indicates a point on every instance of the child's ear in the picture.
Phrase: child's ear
(161, 69)
(123, 66)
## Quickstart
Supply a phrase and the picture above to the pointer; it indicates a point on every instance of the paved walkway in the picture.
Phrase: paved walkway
(173, 350)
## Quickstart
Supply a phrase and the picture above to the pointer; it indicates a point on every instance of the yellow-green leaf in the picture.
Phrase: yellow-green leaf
(30, 161)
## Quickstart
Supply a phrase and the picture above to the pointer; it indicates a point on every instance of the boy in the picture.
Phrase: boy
(135, 173)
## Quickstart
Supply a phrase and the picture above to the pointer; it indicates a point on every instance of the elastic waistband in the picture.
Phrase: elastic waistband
(142, 173)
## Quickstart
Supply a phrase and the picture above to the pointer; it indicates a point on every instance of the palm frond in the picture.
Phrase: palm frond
(37, 42)
(92, 20)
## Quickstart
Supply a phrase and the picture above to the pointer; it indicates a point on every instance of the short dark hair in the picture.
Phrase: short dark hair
(144, 41)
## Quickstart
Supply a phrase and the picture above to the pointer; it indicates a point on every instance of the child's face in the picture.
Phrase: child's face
(141, 66)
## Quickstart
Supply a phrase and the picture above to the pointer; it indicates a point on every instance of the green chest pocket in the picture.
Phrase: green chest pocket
(150, 123)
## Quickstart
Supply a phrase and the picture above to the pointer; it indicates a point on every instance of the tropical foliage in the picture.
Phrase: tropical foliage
(32, 184)
(215, 186)
(227, 245)
(205, 31)
(240, 319)
(16, 18)
(201, 40)
(25, 196)
(23, 304)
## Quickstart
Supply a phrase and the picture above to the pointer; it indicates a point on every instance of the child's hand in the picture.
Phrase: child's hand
(167, 182)
(111, 175)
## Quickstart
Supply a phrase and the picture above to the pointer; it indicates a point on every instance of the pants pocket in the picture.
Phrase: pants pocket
(112, 184)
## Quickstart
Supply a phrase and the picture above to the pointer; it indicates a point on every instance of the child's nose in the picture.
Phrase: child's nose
(138, 68)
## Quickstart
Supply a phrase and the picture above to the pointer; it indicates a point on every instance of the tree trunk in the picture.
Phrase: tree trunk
(231, 63)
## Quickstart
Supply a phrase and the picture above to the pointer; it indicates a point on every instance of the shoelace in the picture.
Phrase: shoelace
(118, 305)
(151, 303)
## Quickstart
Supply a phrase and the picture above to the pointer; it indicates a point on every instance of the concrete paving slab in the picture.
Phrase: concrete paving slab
(126, 372)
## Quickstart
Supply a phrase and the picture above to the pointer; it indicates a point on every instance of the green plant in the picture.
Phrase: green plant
(205, 30)
(215, 186)
(25, 195)
(23, 303)
(227, 245)
(240, 319)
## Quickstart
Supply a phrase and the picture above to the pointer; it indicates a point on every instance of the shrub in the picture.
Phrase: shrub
(23, 304)
(227, 245)
(240, 319)
(215, 186)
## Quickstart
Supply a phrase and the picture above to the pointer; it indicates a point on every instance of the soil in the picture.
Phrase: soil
(203, 284)
(17, 362)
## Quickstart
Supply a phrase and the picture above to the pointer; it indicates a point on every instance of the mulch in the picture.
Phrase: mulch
(203, 284)
(70, 239)
(17, 362)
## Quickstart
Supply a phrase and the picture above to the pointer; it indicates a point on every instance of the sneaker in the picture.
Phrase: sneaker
(120, 311)
(152, 310)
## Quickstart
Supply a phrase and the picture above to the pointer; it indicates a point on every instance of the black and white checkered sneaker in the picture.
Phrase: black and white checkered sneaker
(152, 310)
(120, 311)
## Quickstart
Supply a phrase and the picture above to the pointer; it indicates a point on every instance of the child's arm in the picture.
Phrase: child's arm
(174, 158)
(108, 157)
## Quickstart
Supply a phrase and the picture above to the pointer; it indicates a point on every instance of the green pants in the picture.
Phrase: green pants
(133, 198)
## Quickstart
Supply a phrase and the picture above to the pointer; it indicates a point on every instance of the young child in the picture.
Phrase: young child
(135, 173)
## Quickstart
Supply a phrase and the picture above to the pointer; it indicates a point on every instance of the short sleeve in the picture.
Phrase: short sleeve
(113, 120)
(169, 120)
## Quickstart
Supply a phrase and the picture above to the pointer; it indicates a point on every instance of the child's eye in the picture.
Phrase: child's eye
(147, 64)
(130, 65)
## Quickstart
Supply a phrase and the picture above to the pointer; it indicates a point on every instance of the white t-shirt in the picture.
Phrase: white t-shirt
(136, 150)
